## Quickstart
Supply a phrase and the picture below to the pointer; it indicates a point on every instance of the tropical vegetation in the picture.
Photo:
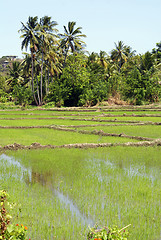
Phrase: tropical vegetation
(57, 69)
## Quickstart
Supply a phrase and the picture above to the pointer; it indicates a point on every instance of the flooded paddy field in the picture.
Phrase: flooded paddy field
(60, 192)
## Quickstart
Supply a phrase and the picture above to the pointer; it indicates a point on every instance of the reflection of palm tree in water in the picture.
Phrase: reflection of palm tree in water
(46, 179)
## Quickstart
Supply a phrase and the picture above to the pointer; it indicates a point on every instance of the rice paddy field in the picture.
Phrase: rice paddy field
(71, 169)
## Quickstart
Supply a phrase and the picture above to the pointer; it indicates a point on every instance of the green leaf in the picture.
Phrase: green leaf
(10, 228)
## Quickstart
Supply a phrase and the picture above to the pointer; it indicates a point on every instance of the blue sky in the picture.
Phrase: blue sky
(135, 22)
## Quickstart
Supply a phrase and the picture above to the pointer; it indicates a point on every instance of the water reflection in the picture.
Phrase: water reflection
(73, 208)
(10, 161)
(131, 170)
(46, 180)
(139, 171)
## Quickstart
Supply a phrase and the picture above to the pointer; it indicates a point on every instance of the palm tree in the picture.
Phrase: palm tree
(15, 71)
(157, 52)
(53, 65)
(71, 39)
(103, 59)
(31, 38)
(47, 38)
(119, 54)
(26, 68)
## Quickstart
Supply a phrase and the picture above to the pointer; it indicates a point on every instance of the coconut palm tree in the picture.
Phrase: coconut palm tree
(15, 74)
(103, 59)
(31, 39)
(48, 38)
(53, 65)
(26, 68)
(119, 54)
(71, 39)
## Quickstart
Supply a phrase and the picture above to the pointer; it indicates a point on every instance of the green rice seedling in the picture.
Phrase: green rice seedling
(133, 118)
(40, 211)
(77, 114)
(54, 137)
(41, 122)
(148, 131)
(82, 111)
(126, 112)
(42, 115)
(114, 186)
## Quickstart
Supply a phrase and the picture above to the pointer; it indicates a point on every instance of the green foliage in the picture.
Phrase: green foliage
(9, 231)
(96, 92)
(157, 52)
(22, 95)
(3, 88)
(14, 74)
(141, 87)
(59, 71)
(115, 83)
(74, 79)
(147, 61)
(55, 93)
(2, 82)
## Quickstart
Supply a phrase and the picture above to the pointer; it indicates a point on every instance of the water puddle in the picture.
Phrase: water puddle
(10, 161)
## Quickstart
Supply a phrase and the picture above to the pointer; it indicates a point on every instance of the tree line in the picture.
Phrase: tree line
(58, 70)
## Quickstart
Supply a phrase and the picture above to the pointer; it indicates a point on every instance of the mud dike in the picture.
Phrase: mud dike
(17, 146)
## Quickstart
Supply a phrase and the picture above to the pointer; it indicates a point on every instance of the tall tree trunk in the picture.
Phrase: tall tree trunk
(65, 57)
(48, 79)
(32, 72)
(38, 94)
(41, 77)
(47, 76)
(46, 83)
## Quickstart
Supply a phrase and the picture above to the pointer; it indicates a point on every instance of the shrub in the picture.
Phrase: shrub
(22, 95)
(9, 231)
